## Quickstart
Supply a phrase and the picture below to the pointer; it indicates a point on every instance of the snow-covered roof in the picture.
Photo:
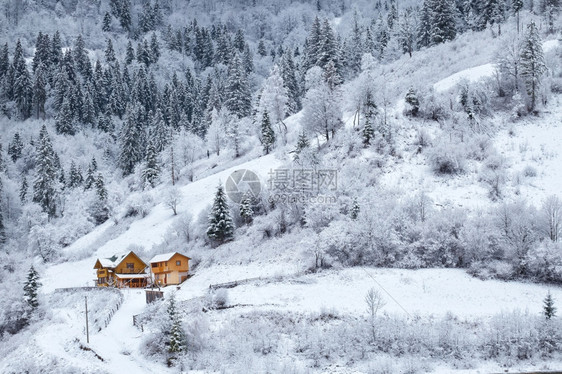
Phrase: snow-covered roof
(164, 257)
(113, 261)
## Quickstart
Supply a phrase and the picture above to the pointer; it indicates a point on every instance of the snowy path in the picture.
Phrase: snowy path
(118, 344)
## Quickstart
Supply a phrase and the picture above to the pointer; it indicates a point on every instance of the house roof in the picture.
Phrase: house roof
(113, 261)
(165, 257)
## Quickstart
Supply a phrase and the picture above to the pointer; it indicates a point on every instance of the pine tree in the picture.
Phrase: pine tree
(288, 73)
(23, 190)
(15, 147)
(90, 180)
(246, 210)
(261, 48)
(39, 92)
(106, 23)
(443, 21)
(100, 209)
(109, 52)
(4, 61)
(549, 310)
(533, 64)
(125, 15)
(130, 53)
(31, 287)
(368, 132)
(152, 169)
(44, 187)
(551, 10)
(238, 90)
(355, 209)
(221, 228)
(267, 133)
(56, 49)
(412, 100)
(130, 150)
(154, 49)
(2, 227)
(75, 177)
(64, 119)
(176, 343)
(23, 86)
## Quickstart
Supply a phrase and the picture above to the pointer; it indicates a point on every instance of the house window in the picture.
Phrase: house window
(166, 263)
(155, 265)
(178, 263)
(130, 265)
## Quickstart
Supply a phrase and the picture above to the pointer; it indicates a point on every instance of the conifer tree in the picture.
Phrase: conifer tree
(288, 73)
(106, 23)
(56, 49)
(130, 150)
(237, 89)
(109, 52)
(31, 287)
(15, 147)
(549, 310)
(154, 49)
(130, 53)
(533, 64)
(4, 60)
(267, 133)
(261, 48)
(443, 21)
(2, 227)
(23, 86)
(75, 177)
(221, 227)
(125, 15)
(64, 119)
(176, 343)
(152, 169)
(90, 180)
(246, 210)
(368, 132)
(100, 209)
(39, 92)
(412, 100)
(23, 190)
(44, 187)
(355, 209)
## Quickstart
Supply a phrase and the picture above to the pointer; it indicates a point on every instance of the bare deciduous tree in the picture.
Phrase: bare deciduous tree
(551, 217)
(375, 302)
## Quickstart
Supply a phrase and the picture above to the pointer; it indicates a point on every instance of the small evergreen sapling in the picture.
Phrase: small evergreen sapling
(30, 288)
(549, 310)
(221, 228)
(267, 134)
(355, 209)
(413, 102)
(246, 210)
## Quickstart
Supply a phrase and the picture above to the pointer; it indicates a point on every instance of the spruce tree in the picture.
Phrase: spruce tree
(288, 73)
(549, 310)
(31, 287)
(90, 180)
(44, 187)
(238, 90)
(109, 52)
(246, 210)
(221, 227)
(412, 100)
(64, 119)
(125, 15)
(4, 60)
(130, 142)
(23, 190)
(130, 53)
(106, 23)
(443, 21)
(152, 169)
(39, 92)
(23, 86)
(100, 209)
(368, 132)
(355, 209)
(15, 147)
(2, 227)
(533, 64)
(176, 343)
(267, 133)
(154, 49)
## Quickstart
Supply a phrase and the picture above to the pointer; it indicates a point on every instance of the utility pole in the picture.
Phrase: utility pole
(87, 331)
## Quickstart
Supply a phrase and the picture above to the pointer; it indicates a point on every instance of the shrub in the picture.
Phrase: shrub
(447, 158)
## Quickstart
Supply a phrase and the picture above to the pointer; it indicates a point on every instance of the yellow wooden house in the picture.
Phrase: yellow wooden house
(124, 270)
(169, 268)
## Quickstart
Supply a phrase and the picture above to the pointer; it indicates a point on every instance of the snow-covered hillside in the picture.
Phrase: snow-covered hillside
(409, 213)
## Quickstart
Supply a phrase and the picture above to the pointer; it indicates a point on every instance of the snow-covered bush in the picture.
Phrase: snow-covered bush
(447, 158)
(217, 299)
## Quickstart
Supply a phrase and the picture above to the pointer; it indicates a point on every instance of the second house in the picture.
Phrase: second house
(169, 268)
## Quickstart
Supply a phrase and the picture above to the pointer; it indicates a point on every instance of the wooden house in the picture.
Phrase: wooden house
(169, 268)
(125, 270)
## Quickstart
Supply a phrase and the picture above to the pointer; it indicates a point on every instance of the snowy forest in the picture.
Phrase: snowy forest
(121, 120)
